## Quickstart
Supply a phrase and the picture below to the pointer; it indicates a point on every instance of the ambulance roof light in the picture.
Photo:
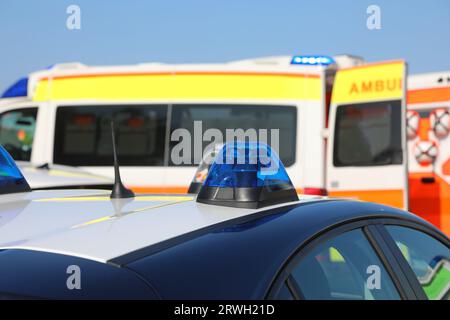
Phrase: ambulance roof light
(67, 66)
(11, 179)
(18, 89)
(315, 60)
(247, 175)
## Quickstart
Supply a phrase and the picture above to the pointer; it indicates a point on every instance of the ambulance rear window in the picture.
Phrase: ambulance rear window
(368, 134)
(83, 135)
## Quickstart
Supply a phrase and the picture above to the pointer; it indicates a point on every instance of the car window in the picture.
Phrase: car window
(344, 267)
(17, 129)
(284, 293)
(223, 117)
(83, 135)
(367, 134)
(428, 258)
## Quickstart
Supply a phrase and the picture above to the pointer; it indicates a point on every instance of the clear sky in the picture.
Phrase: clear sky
(34, 35)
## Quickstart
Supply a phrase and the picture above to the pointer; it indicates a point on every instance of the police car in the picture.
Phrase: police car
(246, 235)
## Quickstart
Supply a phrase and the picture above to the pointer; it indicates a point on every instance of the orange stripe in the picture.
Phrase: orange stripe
(171, 73)
(446, 168)
(392, 198)
(389, 197)
(173, 190)
(428, 95)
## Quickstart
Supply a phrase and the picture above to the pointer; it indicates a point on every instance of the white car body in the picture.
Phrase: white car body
(60, 176)
(88, 224)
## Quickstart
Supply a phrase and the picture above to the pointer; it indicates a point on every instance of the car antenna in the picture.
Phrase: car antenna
(119, 191)
(44, 166)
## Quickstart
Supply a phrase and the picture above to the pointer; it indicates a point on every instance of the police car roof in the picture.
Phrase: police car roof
(88, 224)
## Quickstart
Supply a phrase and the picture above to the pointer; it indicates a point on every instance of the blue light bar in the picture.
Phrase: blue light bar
(248, 175)
(11, 179)
(18, 89)
(247, 165)
(312, 60)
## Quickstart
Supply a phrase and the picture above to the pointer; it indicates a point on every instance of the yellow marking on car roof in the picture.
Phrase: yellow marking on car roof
(107, 198)
(63, 173)
(126, 213)
(93, 221)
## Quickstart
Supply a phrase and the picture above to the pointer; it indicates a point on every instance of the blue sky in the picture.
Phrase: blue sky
(34, 34)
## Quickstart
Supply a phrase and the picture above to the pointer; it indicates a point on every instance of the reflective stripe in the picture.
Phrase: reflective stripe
(428, 95)
(177, 85)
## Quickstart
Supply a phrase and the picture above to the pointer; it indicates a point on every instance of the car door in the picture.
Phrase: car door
(367, 144)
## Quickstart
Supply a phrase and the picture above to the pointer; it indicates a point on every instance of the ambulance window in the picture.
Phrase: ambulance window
(223, 117)
(17, 129)
(83, 135)
(368, 134)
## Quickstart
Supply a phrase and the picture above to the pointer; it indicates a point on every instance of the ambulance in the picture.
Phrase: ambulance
(428, 127)
(341, 121)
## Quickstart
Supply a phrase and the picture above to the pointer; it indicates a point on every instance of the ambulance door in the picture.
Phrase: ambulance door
(367, 157)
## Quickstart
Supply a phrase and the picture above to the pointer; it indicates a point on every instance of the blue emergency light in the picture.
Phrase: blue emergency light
(312, 60)
(247, 175)
(11, 179)
(18, 89)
